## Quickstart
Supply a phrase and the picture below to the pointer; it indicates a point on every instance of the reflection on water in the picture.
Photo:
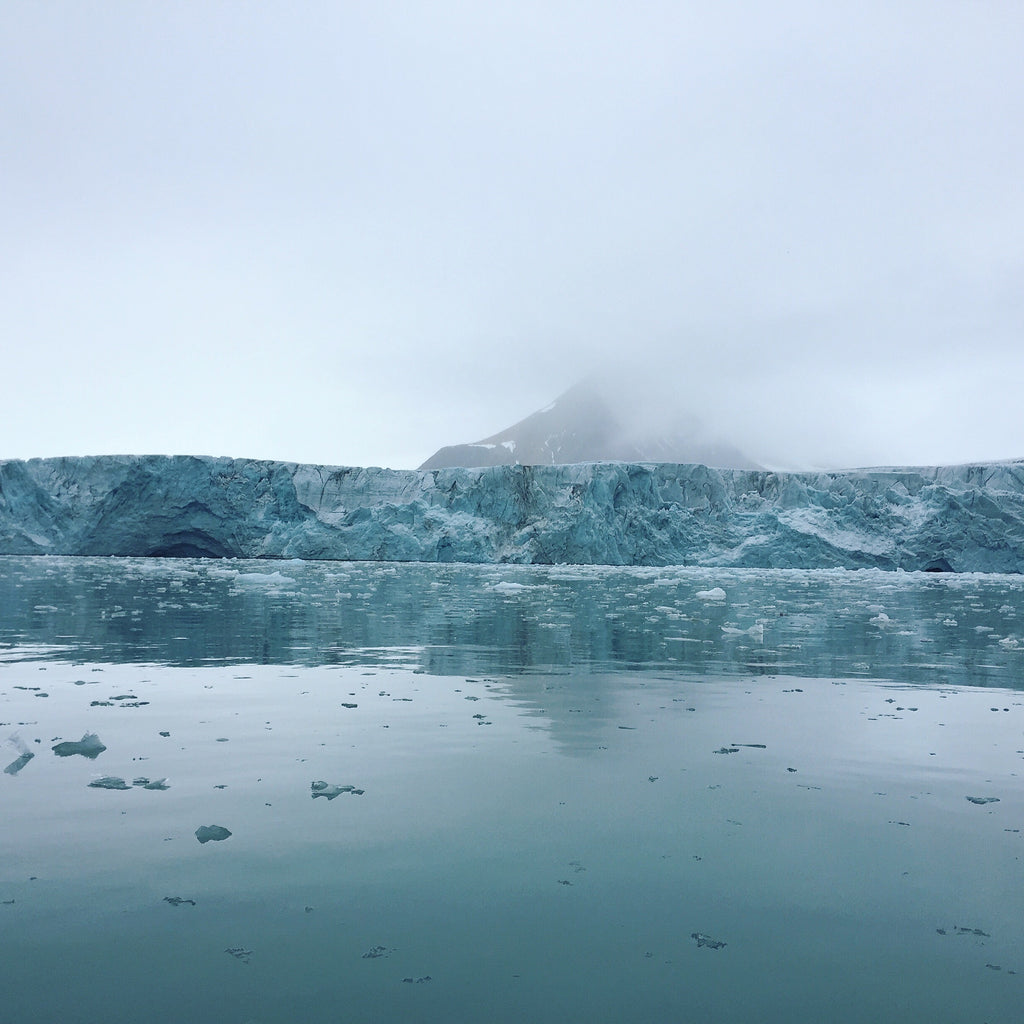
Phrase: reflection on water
(277, 792)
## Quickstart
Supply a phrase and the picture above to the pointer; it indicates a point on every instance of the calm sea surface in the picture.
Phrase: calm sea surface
(494, 793)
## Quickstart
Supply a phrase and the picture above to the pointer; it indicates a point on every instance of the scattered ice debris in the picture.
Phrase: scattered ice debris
(178, 901)
(88, 746)
(214, 833)
(109, 782)
(705, 940)
(375, 952)
(983, 799)
(714, 594)
(329, 790)
(239, 954)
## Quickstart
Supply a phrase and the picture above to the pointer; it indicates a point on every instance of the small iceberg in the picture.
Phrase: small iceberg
(714, 594)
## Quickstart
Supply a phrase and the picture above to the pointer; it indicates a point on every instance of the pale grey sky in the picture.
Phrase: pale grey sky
(353, 232)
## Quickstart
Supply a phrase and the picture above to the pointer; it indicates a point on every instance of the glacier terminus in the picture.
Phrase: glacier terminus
(967, 518)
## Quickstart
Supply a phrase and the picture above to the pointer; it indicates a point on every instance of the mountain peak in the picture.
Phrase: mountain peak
(593, 422)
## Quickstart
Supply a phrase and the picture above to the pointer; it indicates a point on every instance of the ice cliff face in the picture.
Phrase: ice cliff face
(960, 518)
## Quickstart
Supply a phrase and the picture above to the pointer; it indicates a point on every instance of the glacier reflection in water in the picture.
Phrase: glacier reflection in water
(508, 793)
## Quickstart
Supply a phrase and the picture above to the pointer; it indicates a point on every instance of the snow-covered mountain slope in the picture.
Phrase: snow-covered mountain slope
(591, 423)
(963, 518)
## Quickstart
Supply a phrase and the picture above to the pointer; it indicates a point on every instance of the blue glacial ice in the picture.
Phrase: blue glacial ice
(946, 518)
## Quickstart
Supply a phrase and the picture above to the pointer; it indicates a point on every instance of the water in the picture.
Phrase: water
(566, 775)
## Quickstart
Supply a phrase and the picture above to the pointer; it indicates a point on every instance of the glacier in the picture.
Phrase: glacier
(966, 518)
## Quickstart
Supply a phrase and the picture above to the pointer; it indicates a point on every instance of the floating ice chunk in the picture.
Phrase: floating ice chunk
(330, 790)
(109, 782)
(755, 632)
(505, 587)
(881, 619)
(714, 594)
(275, 578)
(145, 783)
(88, 746)
(18, 763)
(211, 833)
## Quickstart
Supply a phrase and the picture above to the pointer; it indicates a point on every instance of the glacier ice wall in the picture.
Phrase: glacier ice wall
(959, 518)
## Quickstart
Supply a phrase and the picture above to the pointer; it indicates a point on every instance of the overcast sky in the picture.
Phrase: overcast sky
(350, 233)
